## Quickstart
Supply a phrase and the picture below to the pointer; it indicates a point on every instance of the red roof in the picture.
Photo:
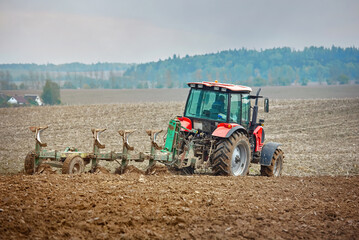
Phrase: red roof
(231, 87)
(20, 99)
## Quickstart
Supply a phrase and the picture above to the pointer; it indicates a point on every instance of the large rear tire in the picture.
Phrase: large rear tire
(232, 156)
(275, 169)
(30, 163)
(73, 165)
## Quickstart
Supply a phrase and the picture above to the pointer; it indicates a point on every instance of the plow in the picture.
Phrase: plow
(218, 132)
(72, 161)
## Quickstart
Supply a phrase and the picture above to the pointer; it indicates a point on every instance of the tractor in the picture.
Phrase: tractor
(217, 133)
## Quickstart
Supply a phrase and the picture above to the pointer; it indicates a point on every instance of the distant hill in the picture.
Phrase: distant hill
(277, 66)
(67, 67)
(69, 75)
(270, 67)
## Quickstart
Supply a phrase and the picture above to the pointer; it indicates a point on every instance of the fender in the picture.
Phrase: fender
(185, 122)
(225, 130)
(267, 153)
(259, 136)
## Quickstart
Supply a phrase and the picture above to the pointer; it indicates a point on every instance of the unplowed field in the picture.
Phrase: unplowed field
(317, 197)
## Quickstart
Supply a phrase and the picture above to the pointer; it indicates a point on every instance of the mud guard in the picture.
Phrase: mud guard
(267, 153)
(225, 132)
(186, 123)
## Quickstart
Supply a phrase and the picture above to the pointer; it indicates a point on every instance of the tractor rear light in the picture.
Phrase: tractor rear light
(216, 88)
(200, 86)
(261, 122)
(226, 125)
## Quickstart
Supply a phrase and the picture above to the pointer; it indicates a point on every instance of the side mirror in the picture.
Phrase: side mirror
(266, 105)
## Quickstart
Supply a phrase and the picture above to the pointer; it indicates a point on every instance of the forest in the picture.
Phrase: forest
(270, 67)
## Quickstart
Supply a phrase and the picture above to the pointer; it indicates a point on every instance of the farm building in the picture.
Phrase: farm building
(31, 98)
(17, 100)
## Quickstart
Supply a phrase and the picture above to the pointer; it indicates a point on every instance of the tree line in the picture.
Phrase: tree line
(70, 75)
(271, 67)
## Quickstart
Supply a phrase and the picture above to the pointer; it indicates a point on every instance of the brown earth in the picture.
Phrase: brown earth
(317, 197)
(135, 206)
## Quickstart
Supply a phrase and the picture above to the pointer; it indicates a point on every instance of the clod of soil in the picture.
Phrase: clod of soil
(100, 169)
(130, 169)
(44, 169)
(159, 170)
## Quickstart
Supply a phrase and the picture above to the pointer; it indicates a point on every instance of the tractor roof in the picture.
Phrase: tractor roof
(217, 86)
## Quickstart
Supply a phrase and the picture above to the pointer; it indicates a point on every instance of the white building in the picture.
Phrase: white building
(34, 98)
(17, 100)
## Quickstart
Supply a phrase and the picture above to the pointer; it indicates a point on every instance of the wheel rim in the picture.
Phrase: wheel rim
(277, 167)
(76, 169)
(239, 160)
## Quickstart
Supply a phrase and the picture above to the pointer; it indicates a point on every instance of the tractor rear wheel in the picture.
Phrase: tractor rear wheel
(275, 169)
(73, 165)
(232, 156)
(30, 163)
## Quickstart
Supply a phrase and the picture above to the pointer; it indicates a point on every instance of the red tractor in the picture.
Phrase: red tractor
(219, 131)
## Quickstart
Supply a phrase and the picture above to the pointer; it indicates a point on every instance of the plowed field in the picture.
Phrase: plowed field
(316, 198)
(133, 206)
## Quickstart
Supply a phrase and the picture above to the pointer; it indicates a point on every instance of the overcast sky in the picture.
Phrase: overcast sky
(137, 31)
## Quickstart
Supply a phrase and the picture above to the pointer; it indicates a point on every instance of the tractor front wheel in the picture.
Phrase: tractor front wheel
(73, 165)
(30, 163)
(232, 156)
(275, 169)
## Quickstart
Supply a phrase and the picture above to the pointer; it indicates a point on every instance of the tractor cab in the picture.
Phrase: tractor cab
(210, 104)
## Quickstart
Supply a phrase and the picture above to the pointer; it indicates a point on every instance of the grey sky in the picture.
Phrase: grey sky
(47, 31)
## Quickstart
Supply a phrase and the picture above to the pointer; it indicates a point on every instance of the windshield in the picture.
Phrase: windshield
(207, 104)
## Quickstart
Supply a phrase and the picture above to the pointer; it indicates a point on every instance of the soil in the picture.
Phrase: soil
(316, 198)
(137, 206)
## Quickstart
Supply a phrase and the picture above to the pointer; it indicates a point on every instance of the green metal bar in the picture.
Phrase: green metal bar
(55, 164)
(193, 130)
(125, 157)
(172, 133)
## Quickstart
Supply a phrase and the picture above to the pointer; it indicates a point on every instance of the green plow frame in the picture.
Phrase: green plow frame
(168, 154)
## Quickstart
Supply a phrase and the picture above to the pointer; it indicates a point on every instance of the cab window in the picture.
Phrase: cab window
(206, 104)
(245, 110)
(236, 105)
